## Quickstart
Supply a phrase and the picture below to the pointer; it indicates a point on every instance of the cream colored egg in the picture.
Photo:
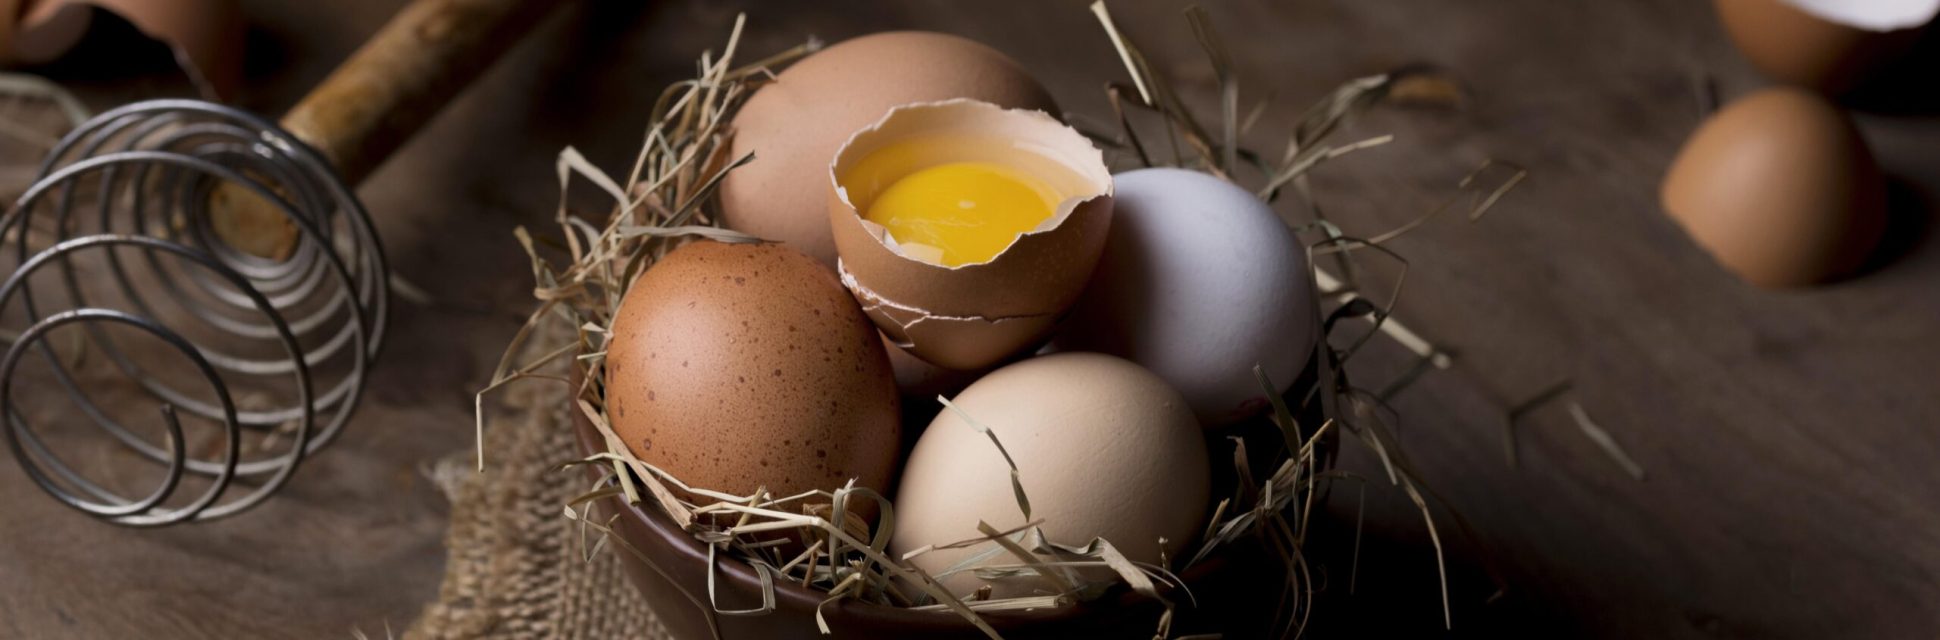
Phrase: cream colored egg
(1104, 449)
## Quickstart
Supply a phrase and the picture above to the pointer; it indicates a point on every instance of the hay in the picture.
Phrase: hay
(666, 198)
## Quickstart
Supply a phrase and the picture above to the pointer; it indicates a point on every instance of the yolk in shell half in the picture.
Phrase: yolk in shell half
(968, 212)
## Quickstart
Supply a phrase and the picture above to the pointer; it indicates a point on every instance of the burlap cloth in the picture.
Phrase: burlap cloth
(515, 567)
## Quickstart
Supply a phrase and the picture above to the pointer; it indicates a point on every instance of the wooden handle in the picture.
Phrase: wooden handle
(374, 102)
(400, 78)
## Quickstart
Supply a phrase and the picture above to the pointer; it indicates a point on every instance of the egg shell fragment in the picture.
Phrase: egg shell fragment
(974, 315)
(795, 124)
(1830, 47)
(1874, 15)
(1104, 449)
(738, 366)
(206, 36)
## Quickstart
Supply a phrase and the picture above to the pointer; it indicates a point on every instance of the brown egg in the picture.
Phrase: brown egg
(794, 125)
(737, 366)
(1780, 188)
(1793, 46)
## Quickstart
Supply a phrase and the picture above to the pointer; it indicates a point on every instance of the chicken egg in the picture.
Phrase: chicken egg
(1780, 189)
(1199, 282)
(795, 124)
(1103, 448)
(739, 366)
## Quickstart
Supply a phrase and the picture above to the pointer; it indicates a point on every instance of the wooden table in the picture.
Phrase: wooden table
(1788, 437)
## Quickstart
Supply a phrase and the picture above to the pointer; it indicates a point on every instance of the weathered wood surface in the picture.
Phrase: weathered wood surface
(1788, 437)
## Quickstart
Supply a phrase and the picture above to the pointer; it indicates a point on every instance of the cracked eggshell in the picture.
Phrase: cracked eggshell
(206, 35)
(974, 315)
(1872, 15)
(9, 18)
(1826, 45)
(796, 123)
(44, 30)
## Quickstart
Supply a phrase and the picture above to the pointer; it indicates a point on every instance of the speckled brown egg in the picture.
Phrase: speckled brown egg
(794, 125)
(1780, 188)
(737, 366)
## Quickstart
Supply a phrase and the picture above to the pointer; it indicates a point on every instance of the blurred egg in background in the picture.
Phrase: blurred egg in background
(1779, 187)
(1830, 46)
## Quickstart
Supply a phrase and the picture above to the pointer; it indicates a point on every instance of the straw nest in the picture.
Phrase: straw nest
(583, 268)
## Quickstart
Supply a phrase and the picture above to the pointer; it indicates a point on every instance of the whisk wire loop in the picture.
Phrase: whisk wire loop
(142, 256)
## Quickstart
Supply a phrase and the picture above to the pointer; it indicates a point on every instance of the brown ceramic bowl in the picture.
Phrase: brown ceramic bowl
(1236, 591)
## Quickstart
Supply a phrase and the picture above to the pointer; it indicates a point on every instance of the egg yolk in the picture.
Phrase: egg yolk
(968, 211)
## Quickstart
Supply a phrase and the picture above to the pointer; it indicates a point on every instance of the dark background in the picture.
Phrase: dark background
(1787, 437)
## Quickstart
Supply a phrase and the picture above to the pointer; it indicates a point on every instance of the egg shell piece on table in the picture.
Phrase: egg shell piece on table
(737, 366)
(972, 315)
(1830, 46)
(206, 36)
(1874, 15)
(1104, 449)
(794, 125)
(1779, 187)
(1200, 281)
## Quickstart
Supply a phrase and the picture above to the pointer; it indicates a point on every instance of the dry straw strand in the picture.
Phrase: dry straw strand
(582, 273)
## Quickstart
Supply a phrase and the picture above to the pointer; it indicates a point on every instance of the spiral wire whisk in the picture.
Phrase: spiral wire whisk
(119, 226)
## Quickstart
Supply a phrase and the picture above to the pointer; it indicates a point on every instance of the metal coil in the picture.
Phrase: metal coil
(118, 228)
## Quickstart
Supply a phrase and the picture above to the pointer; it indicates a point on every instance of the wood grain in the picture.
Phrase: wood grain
(1787, 436)
(387, 89)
